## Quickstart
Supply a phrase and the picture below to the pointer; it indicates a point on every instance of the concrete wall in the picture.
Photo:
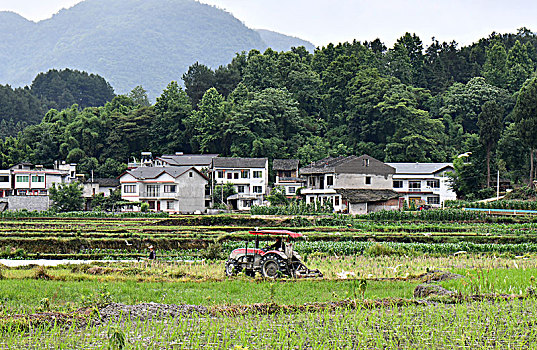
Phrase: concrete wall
(38, 203)
(392, 204)
(191, 192)
(358, 208)
(357, 181)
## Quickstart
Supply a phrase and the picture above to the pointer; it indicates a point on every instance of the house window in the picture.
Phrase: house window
(220, 174)
(190, 174)
(169, 205)
(366, 162)
(151, 205)
(230, 176)
(245, 174)
(433, 183)
(433, 200)
(235, 176)
(4, 178)
(258, 189)
(170, 188)
(414, 186)
(258, 174)
(368, 180)
(153, 191)
(336, 201)
(330, 181)
(129, 188)
(312, 181)
(22, 192)
(38, 178)
(240, 189)
(22, 178)
(397, 184)
(291, 190)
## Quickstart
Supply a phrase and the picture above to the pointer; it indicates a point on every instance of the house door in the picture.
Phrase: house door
(158, 205)
(321, 183)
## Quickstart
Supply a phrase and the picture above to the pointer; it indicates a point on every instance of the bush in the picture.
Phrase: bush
(144, 208)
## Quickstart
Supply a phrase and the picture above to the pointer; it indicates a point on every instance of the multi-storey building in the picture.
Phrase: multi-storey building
(5, 183)
(423, 183)
(356, 185)
(249, 177)
(25, 186)
(171, 189)
(29, 180)
(286, 172)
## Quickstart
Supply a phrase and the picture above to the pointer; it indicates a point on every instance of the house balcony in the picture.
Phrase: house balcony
(289, 179)
(158, 195)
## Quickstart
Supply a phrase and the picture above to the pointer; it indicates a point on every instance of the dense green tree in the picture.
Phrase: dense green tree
(494, 69)
(510, 147)
(205, 124)
(138, 95)
(490, 124)
(519, 66)
(18, 106)
(66, 197)
(525, 115)
(67, 87)
(463, 102)
(265, 124)
(172, 110)
(198, 79)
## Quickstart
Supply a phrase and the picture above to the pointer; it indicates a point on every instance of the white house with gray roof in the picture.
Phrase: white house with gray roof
(202, 162)
(423, 183)
(287, 176)
(249, 177)
(177, 189)
(356, 185)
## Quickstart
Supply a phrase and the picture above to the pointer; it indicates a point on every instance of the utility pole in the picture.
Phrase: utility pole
(498, 187)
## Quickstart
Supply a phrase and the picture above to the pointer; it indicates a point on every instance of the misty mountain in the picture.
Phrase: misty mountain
(129, 42)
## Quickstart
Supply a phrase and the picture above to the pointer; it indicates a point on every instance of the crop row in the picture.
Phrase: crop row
(501, 204)
(389, 248)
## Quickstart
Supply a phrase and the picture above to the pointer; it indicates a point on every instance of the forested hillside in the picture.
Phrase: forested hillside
(130, 42)
(21, 107)
(408, 103)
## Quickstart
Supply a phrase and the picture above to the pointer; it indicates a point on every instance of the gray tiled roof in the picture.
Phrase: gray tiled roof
(365, 195)
(349, 165)
(105, 182)
(285, 164)
(189, 159)
(419, 168)
(154, 172)
(228, 162)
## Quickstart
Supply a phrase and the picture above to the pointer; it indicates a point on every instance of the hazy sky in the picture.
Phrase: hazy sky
(324, 21)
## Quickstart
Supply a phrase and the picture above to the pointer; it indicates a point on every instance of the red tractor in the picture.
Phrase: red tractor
(277, 260)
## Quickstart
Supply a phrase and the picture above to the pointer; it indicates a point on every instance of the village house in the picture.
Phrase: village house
(356, 185)
(287, 176)
(25, 186)
(423, 183)
(177, 189)
(249, 177)
(97, 186)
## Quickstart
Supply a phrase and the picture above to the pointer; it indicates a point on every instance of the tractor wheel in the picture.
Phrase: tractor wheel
(272, 267)
(232, 268)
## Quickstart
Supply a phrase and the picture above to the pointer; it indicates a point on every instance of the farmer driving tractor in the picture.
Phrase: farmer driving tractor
(275, 246)
(276, 260)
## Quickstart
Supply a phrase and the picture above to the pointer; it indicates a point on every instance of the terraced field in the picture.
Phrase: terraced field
(96, 238)
(439, 280)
